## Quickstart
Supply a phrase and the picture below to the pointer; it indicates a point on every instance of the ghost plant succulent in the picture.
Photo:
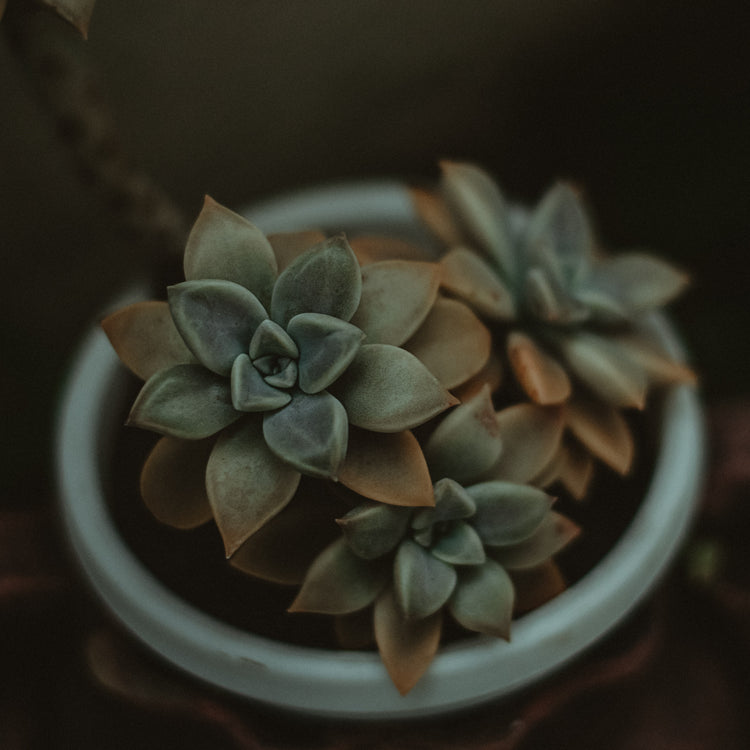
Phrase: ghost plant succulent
(337, 406)
(569, 318)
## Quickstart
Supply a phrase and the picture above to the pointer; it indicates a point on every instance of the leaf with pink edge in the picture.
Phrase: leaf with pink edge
(407, 646)
(173, 482)
(145, 338)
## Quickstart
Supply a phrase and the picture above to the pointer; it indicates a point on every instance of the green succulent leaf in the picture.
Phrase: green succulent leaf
(185, 401)
(324, 279)
(560, 223)
(423, 584)
(549, 301)
(467, 441)
(531, 435)
(542, 377)
(173, 484)
(287, 246)
(638, 281)
(483, 599)
(310, 433)
(387, 389)
(271, 339)
(553, 534)
(461, 545)
(327, 347)
(407, 646)
(452, 503)
(388, 467)
(603, 430)
(507, 513)
(145, 338)
(608, 371)
(247, 484)
(224, 245)
(396, 297)
(471, 279)
(217, 320)
(283, 549)
(660, 367)
(339, 582)
(374, 529)
(480, 206)
(283, 373)
(250, 392)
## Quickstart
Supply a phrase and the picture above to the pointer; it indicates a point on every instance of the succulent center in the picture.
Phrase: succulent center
(279, 371)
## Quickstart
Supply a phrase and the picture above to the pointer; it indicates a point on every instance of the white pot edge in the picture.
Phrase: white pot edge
(353, 684)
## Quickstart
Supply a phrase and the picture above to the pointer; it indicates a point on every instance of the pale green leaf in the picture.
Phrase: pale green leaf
(217, 320)
(247, 484)
(423, 584)
(460, 545)
(271, 338)
(374, 529)
(224, 245)
(250, 392)
(387, 389)
(185, 401)
(483, 600)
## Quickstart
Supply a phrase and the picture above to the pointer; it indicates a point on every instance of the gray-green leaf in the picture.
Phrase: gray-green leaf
(422, 582)
(483, 599)
(374, 529)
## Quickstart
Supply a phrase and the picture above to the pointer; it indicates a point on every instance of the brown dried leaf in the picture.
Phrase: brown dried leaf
(541, 375)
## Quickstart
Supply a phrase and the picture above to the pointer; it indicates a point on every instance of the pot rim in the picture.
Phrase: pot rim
(345, 684)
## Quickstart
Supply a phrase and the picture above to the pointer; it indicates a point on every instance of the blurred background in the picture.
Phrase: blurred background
(644, 105)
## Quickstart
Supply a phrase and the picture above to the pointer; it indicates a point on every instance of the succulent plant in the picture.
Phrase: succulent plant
(258, 372)
(413, 564)
(569, 318)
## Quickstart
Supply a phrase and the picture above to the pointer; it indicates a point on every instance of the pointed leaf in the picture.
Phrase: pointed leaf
(388, 467)
(146, 339)
(423, 584)
(560, 222)
(603, 430)
(554, 533)
(271, 338)
(374, 529)
(452, 342)
(452, 502)
(247, 484)
(173, 482)
(287, 246)
(407, 647)
(324, 279)
(396, 297)
(531, 435)
(217, 320)
(490, 375)
(536, 586)
(572, 465)
(606, 370)
(376, 248)
(660, 367)
(185, 401)
(224, 245)
(540, 375)
(466, 442)
(340, 582)
(250, 392)
(310, 433)
(283, 549)
(507, 513)
(638, 281)
(387, 389)
(483, 600)
(327, 347)
(461, 545)
(432, 209)
(471, 279)
(547, 300)
(479, 206)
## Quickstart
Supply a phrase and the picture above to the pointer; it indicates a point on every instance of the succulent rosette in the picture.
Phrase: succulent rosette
(569, 318)
(274, 360)
(465, 556)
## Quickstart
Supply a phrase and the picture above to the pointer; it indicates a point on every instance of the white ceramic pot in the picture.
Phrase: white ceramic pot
(342, 683)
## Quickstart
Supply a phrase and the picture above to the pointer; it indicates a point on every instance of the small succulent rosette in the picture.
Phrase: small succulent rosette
(569, 319)
(481, 553)
(278, 358)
